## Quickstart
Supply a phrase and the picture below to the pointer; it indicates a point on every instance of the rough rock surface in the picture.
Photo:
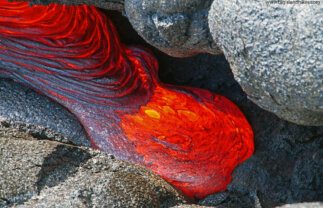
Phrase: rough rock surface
(50, 174)
(20, 103)
(275, 53)
(304, 205)
(176, 27)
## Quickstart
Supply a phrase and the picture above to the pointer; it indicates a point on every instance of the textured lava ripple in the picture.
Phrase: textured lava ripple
(190, 137)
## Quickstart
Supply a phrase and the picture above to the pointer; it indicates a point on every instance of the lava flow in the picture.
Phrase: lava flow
(190, 137)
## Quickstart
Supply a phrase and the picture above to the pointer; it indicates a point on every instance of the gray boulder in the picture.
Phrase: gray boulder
(176, 27)
(39, 113)
(275, 52)
(43, 173)
(303, 205)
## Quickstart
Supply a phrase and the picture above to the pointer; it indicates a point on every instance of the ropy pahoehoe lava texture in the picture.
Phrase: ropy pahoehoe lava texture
(191, 137)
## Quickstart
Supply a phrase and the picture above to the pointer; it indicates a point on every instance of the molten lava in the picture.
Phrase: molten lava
(190, 137)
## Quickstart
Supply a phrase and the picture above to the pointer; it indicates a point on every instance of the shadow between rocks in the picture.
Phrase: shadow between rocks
(60, 165)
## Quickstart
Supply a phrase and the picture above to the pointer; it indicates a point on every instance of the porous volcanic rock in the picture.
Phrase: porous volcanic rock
(275, 53)
(176, 27)
(20, 103)
(304, 205)
(50, 174)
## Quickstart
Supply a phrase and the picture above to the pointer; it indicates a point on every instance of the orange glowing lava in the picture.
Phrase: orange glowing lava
(191, 137)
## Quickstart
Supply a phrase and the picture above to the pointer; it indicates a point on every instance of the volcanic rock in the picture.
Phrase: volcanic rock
(20, 103)
(275, 53)
(304, 205)
(178, 28)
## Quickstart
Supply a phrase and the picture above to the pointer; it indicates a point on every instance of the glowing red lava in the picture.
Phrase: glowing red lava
(190, 137)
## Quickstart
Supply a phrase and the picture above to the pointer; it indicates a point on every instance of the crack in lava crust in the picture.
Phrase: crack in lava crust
(190, 137)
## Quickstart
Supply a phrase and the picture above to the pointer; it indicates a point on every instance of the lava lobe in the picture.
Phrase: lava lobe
(191, 137)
